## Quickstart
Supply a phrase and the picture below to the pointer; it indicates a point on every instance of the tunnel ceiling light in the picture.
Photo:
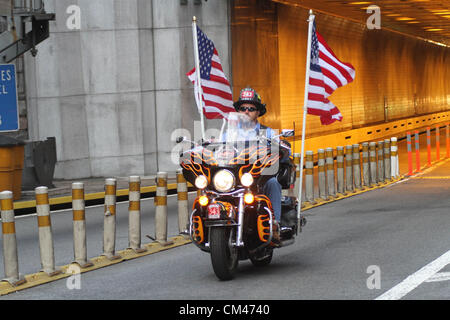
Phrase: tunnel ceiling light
(439, 11)
(405, 19)
(434, 29)
(431, 13)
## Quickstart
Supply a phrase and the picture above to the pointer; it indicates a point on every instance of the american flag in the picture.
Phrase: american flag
(217, 95)
(326, 74)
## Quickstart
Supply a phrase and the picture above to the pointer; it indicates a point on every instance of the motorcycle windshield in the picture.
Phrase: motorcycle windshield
(241, 148)
(240, 128)
(239, 141)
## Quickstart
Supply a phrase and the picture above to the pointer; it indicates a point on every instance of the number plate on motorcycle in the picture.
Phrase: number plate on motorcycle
(214, 211)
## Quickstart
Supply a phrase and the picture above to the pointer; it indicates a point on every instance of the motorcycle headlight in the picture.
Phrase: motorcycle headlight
(247, 179)
(201, 182)
(223, 181)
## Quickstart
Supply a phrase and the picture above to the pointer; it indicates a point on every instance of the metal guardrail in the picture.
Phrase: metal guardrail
(396, 128)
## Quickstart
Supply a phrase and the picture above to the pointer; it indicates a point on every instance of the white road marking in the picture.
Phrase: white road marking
(441, 276)
(414, 280)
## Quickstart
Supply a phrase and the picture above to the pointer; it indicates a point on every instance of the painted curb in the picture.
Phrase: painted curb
(39, 278)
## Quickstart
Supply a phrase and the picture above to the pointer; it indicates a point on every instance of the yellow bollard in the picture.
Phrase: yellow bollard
(297, 174)
(387, 159)
(340, 170)
(79, 225)
(109, 220)
(322, 175)
(380, 161)
(134, 214)
(373, 163)
(330, 172)
(394, 158)
(183, 204)
(309, 177)
(10, 257)
(161, 209)
(365, 164)
(349, 168)
(45, 231)
(356, 167)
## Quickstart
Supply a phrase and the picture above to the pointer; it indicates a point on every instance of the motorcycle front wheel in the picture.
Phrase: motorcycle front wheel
(224, 257)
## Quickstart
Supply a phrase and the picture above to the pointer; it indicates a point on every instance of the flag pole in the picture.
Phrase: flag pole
(293, 140)
(197, 71)
(308, 61)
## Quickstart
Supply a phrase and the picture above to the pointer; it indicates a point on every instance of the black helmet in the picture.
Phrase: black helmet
(249, 95)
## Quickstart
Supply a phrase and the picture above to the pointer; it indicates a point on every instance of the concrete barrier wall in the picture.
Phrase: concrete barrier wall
(112, 92)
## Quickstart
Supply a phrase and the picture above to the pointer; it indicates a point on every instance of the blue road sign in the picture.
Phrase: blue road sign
(9, 110)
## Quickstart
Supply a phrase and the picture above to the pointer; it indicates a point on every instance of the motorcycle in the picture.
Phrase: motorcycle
(231, 217)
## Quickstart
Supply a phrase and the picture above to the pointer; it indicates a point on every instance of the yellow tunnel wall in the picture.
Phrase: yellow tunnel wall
(397, 76)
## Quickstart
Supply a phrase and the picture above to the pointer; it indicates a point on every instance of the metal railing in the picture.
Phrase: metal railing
(28, 5)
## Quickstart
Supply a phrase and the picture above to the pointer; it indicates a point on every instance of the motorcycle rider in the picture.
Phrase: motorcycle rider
(250, 104)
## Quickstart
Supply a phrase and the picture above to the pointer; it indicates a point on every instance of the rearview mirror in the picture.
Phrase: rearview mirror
(287, 133)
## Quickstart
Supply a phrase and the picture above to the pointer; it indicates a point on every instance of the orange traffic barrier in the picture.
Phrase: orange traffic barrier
(417, 146)
(408, 143)
(447, 140)
(429, 146)
(438, 153)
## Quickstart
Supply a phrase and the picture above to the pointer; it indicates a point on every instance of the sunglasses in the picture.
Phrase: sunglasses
(243, 109)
